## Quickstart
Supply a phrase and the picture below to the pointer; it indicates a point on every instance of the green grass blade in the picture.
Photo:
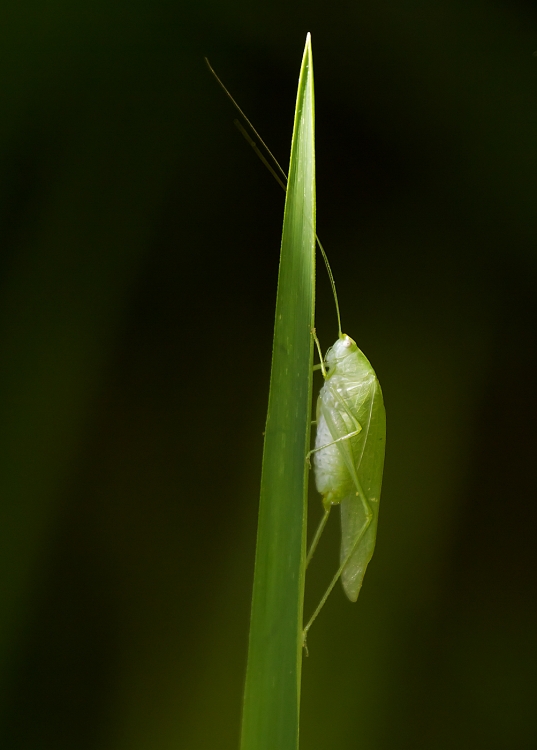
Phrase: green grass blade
(272, 690)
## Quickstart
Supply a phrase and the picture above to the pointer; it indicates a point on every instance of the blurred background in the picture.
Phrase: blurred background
(138, 263)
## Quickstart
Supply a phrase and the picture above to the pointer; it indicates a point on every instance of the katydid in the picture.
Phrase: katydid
(350, 440)
(349, 459)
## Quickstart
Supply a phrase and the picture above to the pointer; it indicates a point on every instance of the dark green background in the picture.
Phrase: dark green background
(139, 250)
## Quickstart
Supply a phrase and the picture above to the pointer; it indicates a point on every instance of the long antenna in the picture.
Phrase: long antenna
(277, 177)
(239, 110)
(253, 144)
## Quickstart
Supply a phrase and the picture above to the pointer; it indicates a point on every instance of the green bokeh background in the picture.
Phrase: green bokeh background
(139, 250)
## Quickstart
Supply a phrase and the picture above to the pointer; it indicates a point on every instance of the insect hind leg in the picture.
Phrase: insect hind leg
(359, 537)
(318, 535)
(339, 440)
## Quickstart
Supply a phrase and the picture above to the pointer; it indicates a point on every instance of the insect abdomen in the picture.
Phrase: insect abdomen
(332, 477)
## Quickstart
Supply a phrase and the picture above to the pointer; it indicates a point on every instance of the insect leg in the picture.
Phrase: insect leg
(356, 548)
(352, 462)
(335, 428)
(335, 579)
(339, 440)
(318, 534)
(318, 345)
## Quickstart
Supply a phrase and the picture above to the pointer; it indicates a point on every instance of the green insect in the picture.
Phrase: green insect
(349, 459)
(351, 433)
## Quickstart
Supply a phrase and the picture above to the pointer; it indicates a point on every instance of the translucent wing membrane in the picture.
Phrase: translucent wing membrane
(353, 518)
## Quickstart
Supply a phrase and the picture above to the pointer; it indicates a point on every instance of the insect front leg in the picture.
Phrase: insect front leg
(320, 366)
